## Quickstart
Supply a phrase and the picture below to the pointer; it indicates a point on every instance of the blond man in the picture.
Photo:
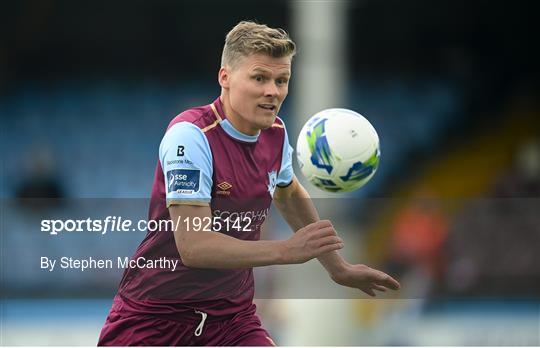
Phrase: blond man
(220, 167)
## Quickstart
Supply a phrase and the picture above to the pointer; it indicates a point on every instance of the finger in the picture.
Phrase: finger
(314, 226)
(315, 229)
(324, 232)
(379, 287)
(328, 240)
(328, 248)
(387, 281)
(370, 292)
(323, 223)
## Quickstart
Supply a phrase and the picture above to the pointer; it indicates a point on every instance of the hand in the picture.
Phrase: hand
(311, 241)
(366, 279)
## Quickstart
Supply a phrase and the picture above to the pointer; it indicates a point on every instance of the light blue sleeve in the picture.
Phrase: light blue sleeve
(286, 173)
(186, 161)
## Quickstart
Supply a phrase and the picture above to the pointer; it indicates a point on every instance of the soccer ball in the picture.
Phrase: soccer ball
(338, 150)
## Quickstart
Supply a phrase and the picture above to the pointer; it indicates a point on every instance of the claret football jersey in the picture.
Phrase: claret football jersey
(204, 160)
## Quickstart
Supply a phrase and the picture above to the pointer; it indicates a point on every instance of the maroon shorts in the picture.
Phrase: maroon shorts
(127, 329)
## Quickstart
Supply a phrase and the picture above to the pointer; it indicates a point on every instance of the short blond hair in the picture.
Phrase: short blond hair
(248, 38)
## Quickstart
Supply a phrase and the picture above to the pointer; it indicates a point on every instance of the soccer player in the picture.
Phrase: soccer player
(220, 167)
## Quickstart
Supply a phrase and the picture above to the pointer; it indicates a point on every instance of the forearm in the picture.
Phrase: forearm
(218, 250)
(211, 249)
(207, 249)
(298, 210)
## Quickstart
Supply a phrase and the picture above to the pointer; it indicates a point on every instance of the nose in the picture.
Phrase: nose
(271, 90)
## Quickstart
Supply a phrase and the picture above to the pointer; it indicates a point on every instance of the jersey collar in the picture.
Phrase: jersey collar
(227, 126)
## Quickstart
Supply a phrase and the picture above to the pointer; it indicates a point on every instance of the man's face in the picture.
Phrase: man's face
(257, 86)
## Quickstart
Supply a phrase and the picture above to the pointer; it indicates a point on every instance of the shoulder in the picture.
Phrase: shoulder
(186, 133)
(201, 117)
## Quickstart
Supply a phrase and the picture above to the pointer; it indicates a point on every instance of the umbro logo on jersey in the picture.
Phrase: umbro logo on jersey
(224, 188)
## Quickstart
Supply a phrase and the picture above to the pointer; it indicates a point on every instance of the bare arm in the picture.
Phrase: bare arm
(210, 249)
(296, 207)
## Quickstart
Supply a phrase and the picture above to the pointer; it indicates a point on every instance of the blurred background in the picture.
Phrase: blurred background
(87, 89)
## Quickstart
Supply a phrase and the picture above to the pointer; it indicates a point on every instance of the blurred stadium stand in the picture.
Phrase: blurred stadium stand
(87, 90)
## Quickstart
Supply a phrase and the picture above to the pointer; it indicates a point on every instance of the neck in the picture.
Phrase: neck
(235, 119)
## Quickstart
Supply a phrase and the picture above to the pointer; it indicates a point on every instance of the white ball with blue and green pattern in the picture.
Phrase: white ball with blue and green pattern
(338, 150)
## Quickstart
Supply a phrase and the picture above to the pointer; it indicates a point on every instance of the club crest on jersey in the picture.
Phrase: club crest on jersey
(272, 182)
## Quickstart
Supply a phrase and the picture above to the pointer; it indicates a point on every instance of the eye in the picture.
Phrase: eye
(258, 78)
(282, 81)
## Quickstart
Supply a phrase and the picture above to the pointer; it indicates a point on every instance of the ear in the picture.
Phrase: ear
(223, 77)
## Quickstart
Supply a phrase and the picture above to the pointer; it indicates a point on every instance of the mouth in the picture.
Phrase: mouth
(268, 107)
